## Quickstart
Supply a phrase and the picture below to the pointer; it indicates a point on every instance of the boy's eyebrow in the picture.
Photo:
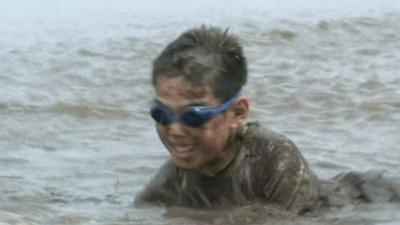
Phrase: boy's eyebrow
(197, 103)
(191, 104)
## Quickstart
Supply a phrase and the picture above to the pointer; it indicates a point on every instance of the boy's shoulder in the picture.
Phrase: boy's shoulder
(259, 139)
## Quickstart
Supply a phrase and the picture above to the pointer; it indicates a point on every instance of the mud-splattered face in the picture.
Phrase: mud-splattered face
(204, 148)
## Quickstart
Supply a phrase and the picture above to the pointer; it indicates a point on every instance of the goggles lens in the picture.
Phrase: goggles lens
(193, 116)
(189, 116)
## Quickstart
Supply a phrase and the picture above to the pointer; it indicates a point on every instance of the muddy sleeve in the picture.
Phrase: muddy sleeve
(287, 179)
(160, 190)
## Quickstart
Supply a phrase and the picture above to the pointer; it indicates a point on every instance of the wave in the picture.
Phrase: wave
(75, 110)
(372, 27)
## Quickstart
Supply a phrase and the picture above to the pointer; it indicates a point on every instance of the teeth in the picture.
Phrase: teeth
(182, 148)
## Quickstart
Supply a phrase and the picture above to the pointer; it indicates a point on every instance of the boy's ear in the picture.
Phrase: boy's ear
(240, 112)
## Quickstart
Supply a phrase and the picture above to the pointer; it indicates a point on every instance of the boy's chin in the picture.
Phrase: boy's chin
(186, 164)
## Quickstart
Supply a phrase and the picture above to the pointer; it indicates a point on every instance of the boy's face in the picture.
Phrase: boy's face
(203, 148)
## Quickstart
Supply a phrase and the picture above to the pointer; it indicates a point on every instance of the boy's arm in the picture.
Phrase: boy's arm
(160, 190)
(287, 180)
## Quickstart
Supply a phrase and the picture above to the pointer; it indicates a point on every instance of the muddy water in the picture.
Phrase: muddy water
(77, 144)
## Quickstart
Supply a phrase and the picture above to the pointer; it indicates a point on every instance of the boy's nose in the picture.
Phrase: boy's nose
(176, 129)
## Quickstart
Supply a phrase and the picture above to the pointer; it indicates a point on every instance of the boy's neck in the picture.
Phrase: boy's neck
(223, 163)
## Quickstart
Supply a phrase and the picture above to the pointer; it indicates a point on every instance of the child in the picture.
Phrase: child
(216, 156)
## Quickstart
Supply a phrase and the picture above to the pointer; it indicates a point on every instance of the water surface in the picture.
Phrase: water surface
(77, 143)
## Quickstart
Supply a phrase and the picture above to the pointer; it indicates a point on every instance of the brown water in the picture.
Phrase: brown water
(77, 144)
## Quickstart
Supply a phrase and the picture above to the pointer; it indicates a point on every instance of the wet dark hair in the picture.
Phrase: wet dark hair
(205, 54)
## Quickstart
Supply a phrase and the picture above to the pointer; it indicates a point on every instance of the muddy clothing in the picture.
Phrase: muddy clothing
(268, 167)
(354, 187)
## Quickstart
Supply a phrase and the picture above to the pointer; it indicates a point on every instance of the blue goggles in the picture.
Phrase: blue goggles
(193, 116)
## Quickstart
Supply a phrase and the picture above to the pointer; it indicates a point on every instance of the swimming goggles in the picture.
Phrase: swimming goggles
(193, 116)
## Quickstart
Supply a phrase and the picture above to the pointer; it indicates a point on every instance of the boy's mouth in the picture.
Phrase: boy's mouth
(182, 151)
